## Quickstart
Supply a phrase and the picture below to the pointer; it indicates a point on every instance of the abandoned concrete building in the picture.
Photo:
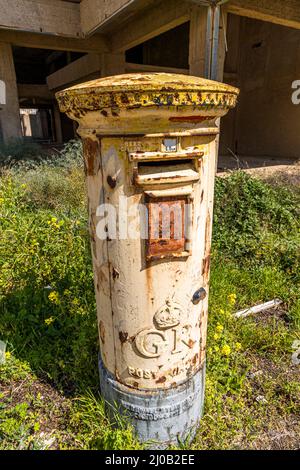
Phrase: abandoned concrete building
(46, 46)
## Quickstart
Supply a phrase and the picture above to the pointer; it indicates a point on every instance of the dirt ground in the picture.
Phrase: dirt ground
(284, 174)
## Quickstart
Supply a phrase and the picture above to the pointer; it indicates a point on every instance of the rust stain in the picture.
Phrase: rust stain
(205, 267)
(123, 336)
(91, 156)
(194, 360)
(207, 228)
(161, 380)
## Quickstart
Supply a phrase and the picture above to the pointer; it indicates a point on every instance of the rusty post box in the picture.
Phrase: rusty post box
(150, 149)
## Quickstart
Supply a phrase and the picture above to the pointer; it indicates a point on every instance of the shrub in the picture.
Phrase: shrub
(256, 224)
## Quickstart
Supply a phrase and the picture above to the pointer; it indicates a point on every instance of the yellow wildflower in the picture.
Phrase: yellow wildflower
(23, 186)
(216, 337)
(54, 297)
(216, 348)
(75, 301)
(219, 328)
(238, 346)
(49, 321)
(55, 223)
(226, 350)
(7, 355)
(232, 299)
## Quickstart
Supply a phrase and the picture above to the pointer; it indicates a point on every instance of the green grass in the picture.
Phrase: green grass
(49, 383)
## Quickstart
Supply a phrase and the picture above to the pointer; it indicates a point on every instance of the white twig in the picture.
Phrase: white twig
(258, 308)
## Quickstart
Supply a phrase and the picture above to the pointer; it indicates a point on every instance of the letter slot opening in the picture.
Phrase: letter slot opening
(166, 172)
(158, 168)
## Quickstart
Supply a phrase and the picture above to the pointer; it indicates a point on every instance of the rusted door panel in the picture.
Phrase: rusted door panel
(166, 217)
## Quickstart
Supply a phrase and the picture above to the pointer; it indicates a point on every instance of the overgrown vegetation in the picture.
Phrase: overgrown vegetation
(49, 383)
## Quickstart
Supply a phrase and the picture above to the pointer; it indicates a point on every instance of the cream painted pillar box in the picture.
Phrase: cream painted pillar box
(150, 150)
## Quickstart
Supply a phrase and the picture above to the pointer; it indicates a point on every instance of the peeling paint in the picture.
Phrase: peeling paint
(91, 156)
(123, 336)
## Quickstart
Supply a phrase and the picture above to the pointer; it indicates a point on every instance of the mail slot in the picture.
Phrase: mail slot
(150, 151)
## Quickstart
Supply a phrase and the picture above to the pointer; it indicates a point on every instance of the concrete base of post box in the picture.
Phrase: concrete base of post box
(160, 417)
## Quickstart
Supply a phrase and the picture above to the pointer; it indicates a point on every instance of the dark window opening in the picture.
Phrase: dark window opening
(169, 49)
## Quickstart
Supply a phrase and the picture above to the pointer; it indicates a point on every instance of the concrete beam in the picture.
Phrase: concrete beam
(34, 92)
(285, 13)
(96, 43)
(77, 70)
(150, 23)
(96, 12)
(99, 15)
(41, 16)
(133, 68)
(112, 64)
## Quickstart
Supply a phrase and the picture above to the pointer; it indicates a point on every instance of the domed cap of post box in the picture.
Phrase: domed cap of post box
(138, 102)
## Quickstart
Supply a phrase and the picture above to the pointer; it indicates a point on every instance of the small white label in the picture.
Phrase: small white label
(170, 145)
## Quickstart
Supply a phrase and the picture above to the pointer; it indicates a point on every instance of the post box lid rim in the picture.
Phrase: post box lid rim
(156, 81)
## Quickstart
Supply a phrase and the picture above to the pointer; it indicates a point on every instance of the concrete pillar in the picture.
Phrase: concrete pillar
(112, 64)
(220, 67)
(10, 121)
(57, 124)
(197, 45)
